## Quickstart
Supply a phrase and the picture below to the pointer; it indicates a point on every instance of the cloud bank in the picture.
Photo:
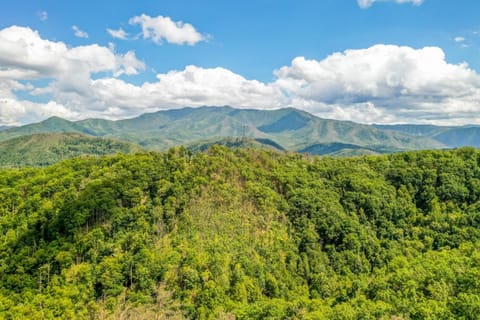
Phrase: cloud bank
(25, 56)
(386, 83)
(382, 84)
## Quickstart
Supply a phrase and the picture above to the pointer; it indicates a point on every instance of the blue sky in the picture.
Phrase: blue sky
(385, 61)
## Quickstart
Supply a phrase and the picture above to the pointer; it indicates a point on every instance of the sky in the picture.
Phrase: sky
(368, 61)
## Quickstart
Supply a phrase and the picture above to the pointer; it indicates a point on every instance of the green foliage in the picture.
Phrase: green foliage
(246, 234)
(47, 149)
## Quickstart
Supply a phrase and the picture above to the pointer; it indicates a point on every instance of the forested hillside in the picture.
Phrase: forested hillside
(242, 234)
(48, 148)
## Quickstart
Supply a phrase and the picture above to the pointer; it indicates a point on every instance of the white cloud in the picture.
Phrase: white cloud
(128, 64)
(118, 34)
(113, 98)
(368, 3)
(382, 84)
(193, 86)
(377, 72)
(79, 33)
(15, 112)
(410, 85)
(459, 39)
(25, 56)
(42, 15)
(161, 29)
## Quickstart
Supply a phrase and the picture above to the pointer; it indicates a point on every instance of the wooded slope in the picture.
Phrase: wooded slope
(243, 234)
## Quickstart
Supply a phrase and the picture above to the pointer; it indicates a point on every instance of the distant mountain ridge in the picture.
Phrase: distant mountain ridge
(450, 136)
(5, 127)
(288, 128)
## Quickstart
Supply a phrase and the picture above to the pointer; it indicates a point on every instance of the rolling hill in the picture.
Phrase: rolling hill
(338, 149)
(48, 148)
(235, 143)
(289, 128)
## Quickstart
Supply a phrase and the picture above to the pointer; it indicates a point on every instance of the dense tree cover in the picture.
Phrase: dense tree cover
(242, 234)
(49, 148)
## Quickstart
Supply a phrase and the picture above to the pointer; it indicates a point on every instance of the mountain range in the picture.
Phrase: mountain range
(283, 129)
(5, 127)
(450, 136)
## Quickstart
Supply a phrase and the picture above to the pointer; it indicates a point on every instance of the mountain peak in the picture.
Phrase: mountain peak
(56, 118)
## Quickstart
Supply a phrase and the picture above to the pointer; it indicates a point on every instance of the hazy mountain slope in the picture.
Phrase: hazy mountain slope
(451, 137)
(290, 128)
(328, 131)
(421, 130)
(44, 149)
(459, 137)
(184, 126)
(5, 128)
(100, 127)
(53, 124)
(292, 121)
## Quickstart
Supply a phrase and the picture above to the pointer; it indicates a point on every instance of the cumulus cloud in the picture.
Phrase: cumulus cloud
(161, 29)
(25, 56)
(459, 39)
(368, 3)
(79, 33)
(113, 98)
(118, 34)
(381, 84)
(378, 72)
(14, 111)
(411, 85)
(193, 86)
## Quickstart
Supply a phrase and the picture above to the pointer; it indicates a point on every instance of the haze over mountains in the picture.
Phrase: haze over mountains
(451, 136)
(284, 129)
(5, 128)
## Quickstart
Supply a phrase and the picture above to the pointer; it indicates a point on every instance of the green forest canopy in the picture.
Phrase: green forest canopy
(48, 148)
(246, 234)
